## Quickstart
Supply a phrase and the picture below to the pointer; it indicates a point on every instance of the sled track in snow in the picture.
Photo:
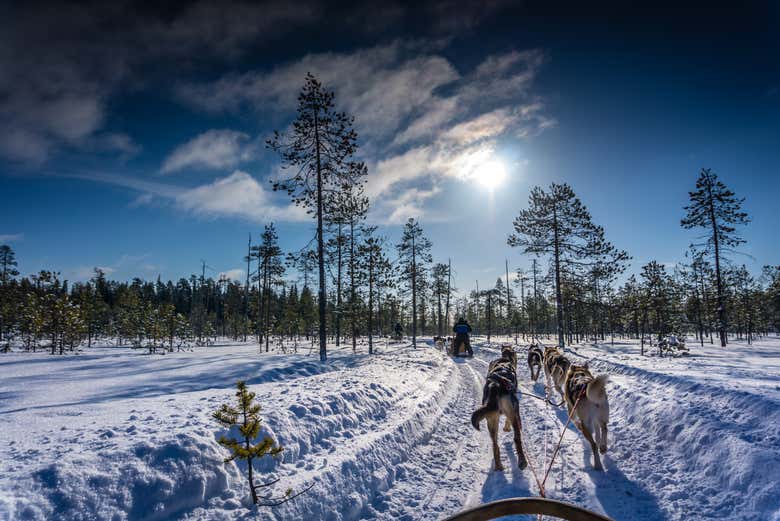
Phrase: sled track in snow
(438, 475)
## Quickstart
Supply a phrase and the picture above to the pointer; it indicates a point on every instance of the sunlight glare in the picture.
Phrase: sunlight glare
(490, 174)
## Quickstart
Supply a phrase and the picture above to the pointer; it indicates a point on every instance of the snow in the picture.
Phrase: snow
(116, 434)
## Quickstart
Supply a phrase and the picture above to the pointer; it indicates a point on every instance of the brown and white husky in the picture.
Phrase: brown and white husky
(591, 414)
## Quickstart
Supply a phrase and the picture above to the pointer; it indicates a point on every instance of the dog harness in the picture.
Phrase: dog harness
(578, 385)
(504, 376)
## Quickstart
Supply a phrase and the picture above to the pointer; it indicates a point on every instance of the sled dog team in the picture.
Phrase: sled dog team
(585, 396)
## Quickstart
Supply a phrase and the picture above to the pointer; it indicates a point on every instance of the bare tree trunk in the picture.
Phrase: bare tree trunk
(370, 303)
(246, 288)
(449, 292)
(320, 247)
(719, 282)
(558, 299)
(338, 286)
(352, 298)
(414, 295)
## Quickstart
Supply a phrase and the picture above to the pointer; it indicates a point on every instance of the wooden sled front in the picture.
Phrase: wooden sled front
(528, 505)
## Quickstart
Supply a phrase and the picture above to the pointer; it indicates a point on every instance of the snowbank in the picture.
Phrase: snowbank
(702, 433)
(118, 435)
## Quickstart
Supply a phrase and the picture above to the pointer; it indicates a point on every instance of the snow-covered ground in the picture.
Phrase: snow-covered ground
(114, 434)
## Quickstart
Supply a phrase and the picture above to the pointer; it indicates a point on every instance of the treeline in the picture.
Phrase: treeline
(659, 302)
(368, 297)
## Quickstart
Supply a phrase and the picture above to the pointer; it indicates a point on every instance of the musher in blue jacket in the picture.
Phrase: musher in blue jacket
(462, 330)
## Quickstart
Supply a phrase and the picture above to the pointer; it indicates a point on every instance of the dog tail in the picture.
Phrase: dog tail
(596, 390)
(491, 404)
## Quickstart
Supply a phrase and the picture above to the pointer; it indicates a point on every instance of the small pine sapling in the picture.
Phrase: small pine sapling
(246, 416)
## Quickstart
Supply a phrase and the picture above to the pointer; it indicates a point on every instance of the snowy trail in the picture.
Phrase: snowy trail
(441, 473)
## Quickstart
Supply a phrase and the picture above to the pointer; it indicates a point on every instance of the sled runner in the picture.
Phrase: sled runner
(528, 505)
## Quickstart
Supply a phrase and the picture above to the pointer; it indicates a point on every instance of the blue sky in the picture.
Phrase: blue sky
(132, 139)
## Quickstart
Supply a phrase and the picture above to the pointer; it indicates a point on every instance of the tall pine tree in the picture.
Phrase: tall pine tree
(716, 209)
(317, 152)
(414, 252)
(558, 225)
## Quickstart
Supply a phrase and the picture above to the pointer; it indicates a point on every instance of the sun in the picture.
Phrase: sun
(490, 174)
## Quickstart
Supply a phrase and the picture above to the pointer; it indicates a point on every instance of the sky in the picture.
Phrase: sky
(132, 138)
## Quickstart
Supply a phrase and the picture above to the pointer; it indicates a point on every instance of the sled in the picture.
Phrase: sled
(461, 352)
(528, 505)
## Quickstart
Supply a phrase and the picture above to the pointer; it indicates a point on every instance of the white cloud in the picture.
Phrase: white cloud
(484, 126)
(437, 113)
(405, 167)
(409, 203)
(380, 86)
(237, 195)
(126, 265)
(236, 274)
(216, 148)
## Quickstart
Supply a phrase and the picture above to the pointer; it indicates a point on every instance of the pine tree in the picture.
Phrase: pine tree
(662, 298)
(370, 273)
(696, 277)
(318, 151)
(715, 208)
(521, 316)
(270, 269)
(347, 208)
(8, 264)
(8, 271)
(414, 254)
(440, 275)
(771, 276)
(745, 292)
(246, 416)
(335, 248)
(557, 224)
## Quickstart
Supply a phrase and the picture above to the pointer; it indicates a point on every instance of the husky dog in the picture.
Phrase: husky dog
(592, 412)
(555, 367)
(508, 352)
(535, 357)
(438, 341)
(499, 396)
